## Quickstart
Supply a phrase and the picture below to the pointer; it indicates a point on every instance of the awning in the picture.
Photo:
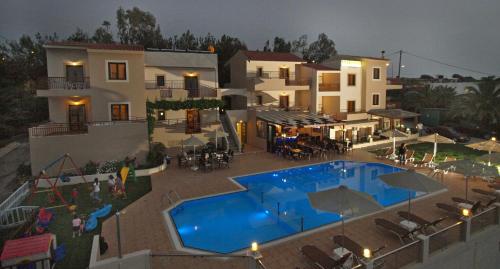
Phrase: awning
(393, 113)
(294, 118)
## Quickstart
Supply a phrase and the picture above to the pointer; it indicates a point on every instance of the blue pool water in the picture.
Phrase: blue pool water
(276, 205)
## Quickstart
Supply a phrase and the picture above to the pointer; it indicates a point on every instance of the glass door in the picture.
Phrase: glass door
(76, 117)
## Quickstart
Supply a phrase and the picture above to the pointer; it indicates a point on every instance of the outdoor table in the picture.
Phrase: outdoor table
(408, 225)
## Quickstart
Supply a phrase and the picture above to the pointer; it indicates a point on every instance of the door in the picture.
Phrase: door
(74, 77)
(351, 106)
(192, 86)
(284, 101)
(241, 129)
(193, 121)
(76, 117)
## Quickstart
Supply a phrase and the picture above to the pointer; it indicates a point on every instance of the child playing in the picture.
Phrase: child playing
(111, 184)
(82, 224)
(96, 189)
(76, 225)
(74, 196)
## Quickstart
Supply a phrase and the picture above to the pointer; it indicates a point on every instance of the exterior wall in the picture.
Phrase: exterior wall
(57, 59)
(372, 86)
(102, 143)
(350, 93)
(273, 97)
(58, 108)
(238, 71)
(317, 96)
(206, 77)
(252, 138)
(130, 91)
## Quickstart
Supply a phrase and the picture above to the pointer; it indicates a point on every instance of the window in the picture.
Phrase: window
(375, 99)
(261, 129)
(117, 71)
(351, 80)
(260, 72)
(351, 106)
(119, 112)
(259, 100)
(376, 73)
(160, 80)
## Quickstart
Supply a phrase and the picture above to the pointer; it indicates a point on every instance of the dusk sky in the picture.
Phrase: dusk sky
(458, 32)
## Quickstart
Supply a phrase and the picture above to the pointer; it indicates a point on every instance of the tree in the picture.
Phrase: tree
(320, 50)
(429, 97)
(205, 42)
(426, 77)
(103, 34)
(299, 46)
(138, 27)
(280, 45)
(267, 47)
(480, 105)
(187, 41)
(79, 36)
(226, 47)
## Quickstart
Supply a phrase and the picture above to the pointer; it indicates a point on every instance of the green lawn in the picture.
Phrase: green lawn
(459, 151)
(78, 249)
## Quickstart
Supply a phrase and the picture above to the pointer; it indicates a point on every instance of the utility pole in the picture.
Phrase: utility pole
(399, 67)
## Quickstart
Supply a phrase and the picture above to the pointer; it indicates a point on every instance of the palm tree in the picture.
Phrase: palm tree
(480, 104)
(429, 97)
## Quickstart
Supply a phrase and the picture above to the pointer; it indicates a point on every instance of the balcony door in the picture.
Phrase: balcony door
(285, 73)
(284, 101)
(191, 84)
(193, 121)
(74, 73)
(76, 117)
(351, 106)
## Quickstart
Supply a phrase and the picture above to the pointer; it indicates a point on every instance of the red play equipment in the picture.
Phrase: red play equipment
(53, 183)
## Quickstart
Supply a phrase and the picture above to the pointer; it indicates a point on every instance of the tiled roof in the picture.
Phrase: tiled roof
(357, 58)
(272, 56)
(319, 67)
(26, 246)
(98, 46)
(395, 113)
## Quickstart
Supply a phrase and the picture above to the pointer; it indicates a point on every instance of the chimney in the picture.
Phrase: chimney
(383, 54)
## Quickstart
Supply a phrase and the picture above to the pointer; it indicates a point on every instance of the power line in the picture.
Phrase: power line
(447, 64)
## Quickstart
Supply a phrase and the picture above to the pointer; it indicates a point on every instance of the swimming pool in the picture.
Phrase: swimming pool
(275, 205)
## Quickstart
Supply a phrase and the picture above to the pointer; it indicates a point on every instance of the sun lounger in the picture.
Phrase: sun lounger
(457, 211)
(396, 229)
(425, 224)
(409, 156)
(472, 203)
(352, 246)
(487, 193)
(495, 186)
(320, 259)
(426, 160)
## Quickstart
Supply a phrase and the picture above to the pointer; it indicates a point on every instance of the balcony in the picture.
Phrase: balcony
(176, 89)
(274, 80)
(56, 83)
(57, 129)
(329, 87)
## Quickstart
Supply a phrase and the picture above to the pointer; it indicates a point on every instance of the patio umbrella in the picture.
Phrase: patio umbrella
(393, 134)
(193, 141)
(490, 158)
(412, 181)
(343, 201)
(489, 146)
(218, 133)
(468, 168)
(436, 138)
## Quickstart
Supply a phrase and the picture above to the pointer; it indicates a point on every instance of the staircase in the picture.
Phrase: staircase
(16, 216)
(229, 129)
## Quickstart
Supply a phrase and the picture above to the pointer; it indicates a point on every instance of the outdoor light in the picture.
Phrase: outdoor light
(255, 247)
(493, 139)
(387, 64)
(367, 253)
(465, 212)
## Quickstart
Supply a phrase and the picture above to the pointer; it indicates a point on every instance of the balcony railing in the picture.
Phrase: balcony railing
(64, 83)
(54, 129)
(329, 87)
(168, 84)
(290, 78)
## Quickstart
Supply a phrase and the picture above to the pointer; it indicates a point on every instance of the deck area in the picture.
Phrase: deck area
(143, 225)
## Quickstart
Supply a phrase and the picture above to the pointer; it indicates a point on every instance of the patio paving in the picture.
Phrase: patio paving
(143, 225)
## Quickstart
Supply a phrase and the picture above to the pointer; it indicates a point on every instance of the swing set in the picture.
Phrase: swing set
(66, 158)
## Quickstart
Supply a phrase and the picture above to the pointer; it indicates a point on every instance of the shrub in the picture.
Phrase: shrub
(157, 154)
(109, 167)
(23, 172)
(90, 168)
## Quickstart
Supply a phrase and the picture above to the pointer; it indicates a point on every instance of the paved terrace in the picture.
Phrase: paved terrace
(143, 225)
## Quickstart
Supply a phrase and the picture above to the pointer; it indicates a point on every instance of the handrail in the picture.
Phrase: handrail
(168, 84)
(483, 212)
(446, 229)
(396, 250)
(178, 254)
(232, 130)
(64, 83)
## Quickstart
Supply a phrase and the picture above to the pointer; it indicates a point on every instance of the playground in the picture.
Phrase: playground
(58, 204)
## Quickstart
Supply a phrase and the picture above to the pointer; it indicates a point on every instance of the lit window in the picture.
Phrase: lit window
(351, 80)
(376, 73)
(119, 112)
(117, 71)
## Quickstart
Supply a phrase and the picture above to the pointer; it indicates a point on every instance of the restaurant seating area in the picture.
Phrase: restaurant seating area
(206, 158)
(307, 147)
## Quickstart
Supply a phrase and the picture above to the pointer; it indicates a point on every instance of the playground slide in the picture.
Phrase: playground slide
(91, 223)
(102, 212)
(124, 174)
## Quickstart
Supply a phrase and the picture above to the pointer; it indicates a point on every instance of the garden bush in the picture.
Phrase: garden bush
(157, 154)
(109, 167)
(90, 168)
